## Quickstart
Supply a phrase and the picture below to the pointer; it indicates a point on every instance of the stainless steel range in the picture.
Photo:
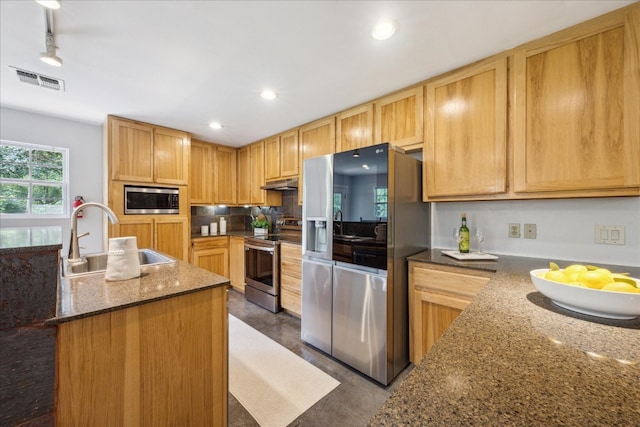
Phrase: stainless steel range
(262, 263)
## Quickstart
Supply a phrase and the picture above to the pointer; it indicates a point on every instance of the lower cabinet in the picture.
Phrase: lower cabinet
(236, 262)
(212, 254)
(437, 295)
(164, 233)
(130, 367)
(291, 278)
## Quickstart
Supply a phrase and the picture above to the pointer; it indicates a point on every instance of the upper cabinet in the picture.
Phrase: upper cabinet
(577, 109)
(144, 153)
(465, 148)
(251, 163)
(202, 174)
(355, 128)
(316, 139)
(225, 168)
(281, 156)
(399, 119)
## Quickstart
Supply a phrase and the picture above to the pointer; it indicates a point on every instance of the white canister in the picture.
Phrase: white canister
(123, 259)
(204, 230)
(223, 226)
(213, 228)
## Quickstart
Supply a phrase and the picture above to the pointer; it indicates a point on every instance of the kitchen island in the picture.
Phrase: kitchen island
(145, 351)
(514, 358)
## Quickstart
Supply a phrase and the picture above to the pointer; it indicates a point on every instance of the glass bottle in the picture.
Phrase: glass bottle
(463, 245)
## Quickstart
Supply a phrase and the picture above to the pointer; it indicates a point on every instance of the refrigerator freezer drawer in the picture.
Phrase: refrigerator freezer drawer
(316, 303)
(360, 321)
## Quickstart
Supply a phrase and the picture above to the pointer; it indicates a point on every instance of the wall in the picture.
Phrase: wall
(565, 228)
(85, 156)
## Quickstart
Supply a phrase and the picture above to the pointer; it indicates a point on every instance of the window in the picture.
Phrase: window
(381, 202)
(33, 180)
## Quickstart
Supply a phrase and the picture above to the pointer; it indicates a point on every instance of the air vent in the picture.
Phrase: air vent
(39, 80)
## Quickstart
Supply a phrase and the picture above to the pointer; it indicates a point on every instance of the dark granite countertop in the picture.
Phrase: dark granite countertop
(89, 295)
(514, 358)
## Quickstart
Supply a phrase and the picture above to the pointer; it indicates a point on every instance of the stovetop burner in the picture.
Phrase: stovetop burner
(281, 237)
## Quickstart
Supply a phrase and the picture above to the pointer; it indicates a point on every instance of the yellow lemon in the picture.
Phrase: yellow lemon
(620, 287)
(595, 279)
(556, 276)
(573, 271)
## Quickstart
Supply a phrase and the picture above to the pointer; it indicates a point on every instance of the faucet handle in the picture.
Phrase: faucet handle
(84, 234)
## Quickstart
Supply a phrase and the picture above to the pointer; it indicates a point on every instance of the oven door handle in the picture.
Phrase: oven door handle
(259, 248)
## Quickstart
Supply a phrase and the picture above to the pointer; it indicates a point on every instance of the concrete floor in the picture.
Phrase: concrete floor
(352, 403)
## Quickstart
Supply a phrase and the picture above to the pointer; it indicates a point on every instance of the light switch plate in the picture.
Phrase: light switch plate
(610, 234)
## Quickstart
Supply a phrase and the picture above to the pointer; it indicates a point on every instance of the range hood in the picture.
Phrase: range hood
(285, 184)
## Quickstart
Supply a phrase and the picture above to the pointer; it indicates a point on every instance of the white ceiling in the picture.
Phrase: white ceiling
(183, 64)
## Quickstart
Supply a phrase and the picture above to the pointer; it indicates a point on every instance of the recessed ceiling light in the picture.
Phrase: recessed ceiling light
(268, 94)
(215, 125)
(383, 30)
(50, 4)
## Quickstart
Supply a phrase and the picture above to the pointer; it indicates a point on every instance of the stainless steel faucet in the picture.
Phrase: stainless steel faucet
(339, 211)
(74, 248)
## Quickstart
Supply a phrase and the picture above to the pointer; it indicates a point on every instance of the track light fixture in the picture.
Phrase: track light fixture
(50, 4)
(50, 57)
(356, 153)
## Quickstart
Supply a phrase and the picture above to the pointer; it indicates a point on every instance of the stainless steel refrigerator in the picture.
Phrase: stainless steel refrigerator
(362, 216)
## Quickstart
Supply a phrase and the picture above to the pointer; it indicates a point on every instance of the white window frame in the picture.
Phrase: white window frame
(66, 202)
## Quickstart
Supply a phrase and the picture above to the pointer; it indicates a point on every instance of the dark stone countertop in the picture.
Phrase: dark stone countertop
(514, 358)
(89, 295)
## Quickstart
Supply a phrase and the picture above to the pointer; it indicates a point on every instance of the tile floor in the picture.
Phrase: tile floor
(351, 404)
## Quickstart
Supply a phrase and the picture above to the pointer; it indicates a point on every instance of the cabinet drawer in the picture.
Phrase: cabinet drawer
(291, 283)
(291, 268)
(290, 252)
(210, 242)
(457, 284)
(291, 301)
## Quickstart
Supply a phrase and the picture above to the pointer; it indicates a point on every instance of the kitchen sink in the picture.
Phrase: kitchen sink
(97, 263)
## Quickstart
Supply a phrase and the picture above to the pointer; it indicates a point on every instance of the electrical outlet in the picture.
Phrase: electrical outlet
(610, 234)
(530, 231)
(514, 230)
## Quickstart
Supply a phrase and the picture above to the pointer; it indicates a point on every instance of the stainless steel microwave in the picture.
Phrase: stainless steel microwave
(139, 200)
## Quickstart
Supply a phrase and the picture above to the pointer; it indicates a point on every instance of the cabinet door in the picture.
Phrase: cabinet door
(316, 139)
(577, 108)
(225, 171)
(291, 278)
(171, 150)
(172, 236)
(465, 148)
(215, 260)
(272, 158)
(244, 176)
(202, 173)
(256, 155)
(130, 151)
(236, 262)
(289, 154)
(140, 227)
(355, 128)
(399, 118)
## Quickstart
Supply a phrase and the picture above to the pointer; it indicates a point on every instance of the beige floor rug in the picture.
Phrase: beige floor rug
(275, 385)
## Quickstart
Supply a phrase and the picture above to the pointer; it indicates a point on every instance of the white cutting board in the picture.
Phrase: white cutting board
(469, 256)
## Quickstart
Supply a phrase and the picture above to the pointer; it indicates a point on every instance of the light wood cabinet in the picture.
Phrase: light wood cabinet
(577, 109)
(354, 128)
(251, 178)
(289, 154)
(144, 153)
(316, 139)
(281, 156)
(212, 254)
(225, 175)
(164, 233)
(399, 118)
(236, 262)
(291, 277)
(202, 174)
(130, 367)
(437, 295)
(465, 147)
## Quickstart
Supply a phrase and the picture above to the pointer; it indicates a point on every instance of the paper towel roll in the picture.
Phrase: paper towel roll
(123, 259)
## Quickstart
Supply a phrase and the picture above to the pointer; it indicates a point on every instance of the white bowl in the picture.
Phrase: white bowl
(595, 302)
